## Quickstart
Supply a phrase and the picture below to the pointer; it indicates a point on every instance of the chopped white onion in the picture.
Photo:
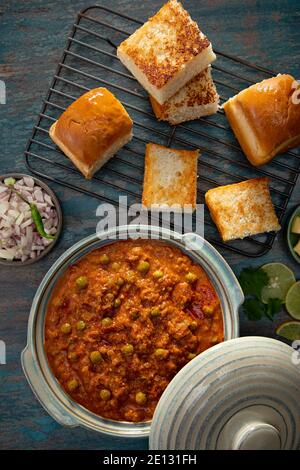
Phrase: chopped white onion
(13, 213)
(19, 239)
(28, 181)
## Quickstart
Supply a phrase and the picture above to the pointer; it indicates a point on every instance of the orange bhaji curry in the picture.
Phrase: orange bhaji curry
(124, 320)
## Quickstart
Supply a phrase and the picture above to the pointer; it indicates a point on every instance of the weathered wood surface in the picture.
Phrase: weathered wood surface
(32, 35)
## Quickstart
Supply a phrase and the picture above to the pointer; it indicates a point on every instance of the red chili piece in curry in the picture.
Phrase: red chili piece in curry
(124, 320)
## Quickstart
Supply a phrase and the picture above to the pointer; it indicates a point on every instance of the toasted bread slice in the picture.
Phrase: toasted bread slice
(92, 129)
(170, 177)
(266, 118)
(243, 209)
(166, 52)
(197, 98)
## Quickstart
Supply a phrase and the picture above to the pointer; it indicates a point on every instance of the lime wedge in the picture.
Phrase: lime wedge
(281, 278)
(289, 330)
(292, 301)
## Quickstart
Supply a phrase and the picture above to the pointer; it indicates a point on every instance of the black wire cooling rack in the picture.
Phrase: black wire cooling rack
(89, 60)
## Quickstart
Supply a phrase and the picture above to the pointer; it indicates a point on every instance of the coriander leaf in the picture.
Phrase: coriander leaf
(273, 306)
(252, 281)
(253, 308)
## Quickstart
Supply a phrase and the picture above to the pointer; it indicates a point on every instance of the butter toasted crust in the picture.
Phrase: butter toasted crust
(242, 209)
(194, 96)
(165, 43)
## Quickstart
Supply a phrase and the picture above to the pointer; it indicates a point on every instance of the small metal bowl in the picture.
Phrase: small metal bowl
(18, 176)
(292, 238)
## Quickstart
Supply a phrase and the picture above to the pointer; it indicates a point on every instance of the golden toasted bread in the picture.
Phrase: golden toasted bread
(197, 98)
(170, 177)
(166, 52)
(242, 209)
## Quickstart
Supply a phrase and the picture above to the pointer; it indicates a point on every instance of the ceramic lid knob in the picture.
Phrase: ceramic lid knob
(253, 428)
(257, 436)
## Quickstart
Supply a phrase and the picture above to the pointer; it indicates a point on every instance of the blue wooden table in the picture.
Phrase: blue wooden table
(33, 34)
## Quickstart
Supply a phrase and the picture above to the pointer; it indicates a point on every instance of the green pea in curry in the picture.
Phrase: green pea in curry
(124, 320)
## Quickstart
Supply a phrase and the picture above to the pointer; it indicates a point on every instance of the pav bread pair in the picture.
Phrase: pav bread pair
(166, 52)
(238, 210)
(92, 129)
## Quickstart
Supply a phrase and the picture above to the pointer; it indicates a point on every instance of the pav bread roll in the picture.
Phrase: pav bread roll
(265, 118)
(166, 52)
(92, 129)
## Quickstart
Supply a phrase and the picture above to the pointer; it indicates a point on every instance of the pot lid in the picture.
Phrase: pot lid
(240, 394)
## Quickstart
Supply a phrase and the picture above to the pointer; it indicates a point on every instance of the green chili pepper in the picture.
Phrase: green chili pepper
(36, 216)
(37, 219)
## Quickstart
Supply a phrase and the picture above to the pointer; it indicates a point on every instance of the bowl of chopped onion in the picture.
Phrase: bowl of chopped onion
(30, 219)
